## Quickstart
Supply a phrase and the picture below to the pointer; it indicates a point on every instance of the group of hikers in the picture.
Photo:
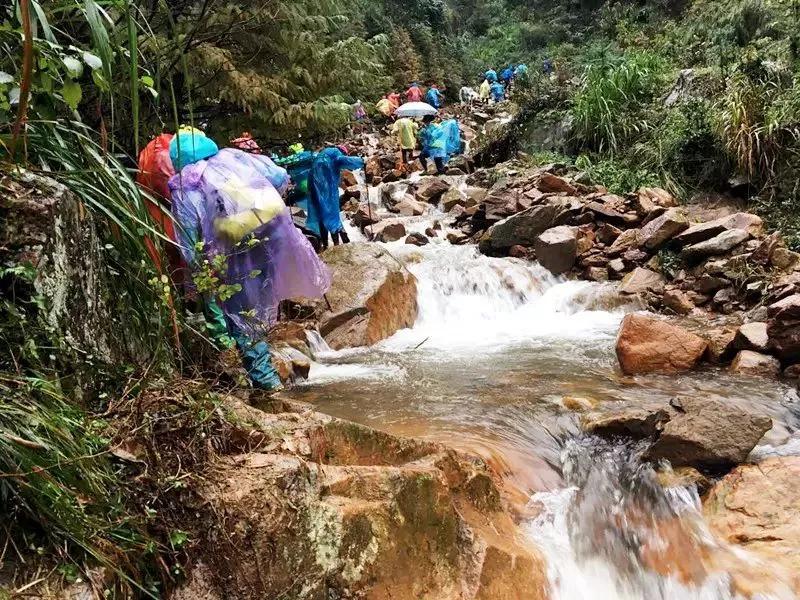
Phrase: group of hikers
(233, 243)
(230, 230)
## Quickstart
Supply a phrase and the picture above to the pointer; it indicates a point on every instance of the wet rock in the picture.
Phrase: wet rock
(752, 336)
(552, 183)
(649, 345)
(783, 328)
(367, 214)
(720, 344)
(409, 207)
(616, 267)
(452, 198)
(662, 229)
(708, 434)
(720, 244)
(706, 231)
(642, 280)
(431, 189)
(684, 477)
(348, 179)
(519, 252)
(556, 249)
(392, 193)
(388, 231)
(792, 372)
(748, 362)
(678, 302)
(342, 511)
(457, 238)
(371, 298)
(520, 229)
(578, 403)
(758, 507)
(708, 284)
(638, 422)
(417, 239)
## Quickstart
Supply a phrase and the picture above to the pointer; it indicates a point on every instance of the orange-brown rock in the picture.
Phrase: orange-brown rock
(758, 508)
(329, 509)
(649, 345)
(371, 298)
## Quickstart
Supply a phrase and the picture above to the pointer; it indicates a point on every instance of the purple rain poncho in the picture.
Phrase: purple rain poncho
(232, 203)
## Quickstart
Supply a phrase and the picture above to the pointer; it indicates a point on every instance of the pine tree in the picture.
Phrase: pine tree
(405, 64)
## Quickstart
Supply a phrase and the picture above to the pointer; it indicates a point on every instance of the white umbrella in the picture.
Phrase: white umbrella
(415, 109)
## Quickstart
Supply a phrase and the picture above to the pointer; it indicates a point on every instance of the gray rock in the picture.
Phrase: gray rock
(556, 249)
(417, 239)
(705, 231)
(757, 364)
(521, 229)
(708, 434)
(722, 243)
(642, 280)
(662, 229)
(752, 336)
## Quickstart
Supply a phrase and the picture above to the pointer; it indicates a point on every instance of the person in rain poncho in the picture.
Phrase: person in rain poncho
(324, 214)
(434, 97)
(498, 92)
(452, 137)
(467, 95)
(385, 107)
(521, 72)
(491, 76)
(485, 91)
(234, 226)
(434, 144)
(395, 99)
(507, 75)
(548, 67)
(414, 93)
(246, 143)
(406, 131)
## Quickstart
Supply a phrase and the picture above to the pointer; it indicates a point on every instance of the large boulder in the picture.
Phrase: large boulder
(553, 183)
(696, 432)
(556, 249)
(329, 509)
(371, 298)
(783, 328)
(521, 229)
(752, 363)
(708, 434)
(758, 507)
(409, 207)
(662, 229)
(720, 244)
(647, 345)
(642, 280)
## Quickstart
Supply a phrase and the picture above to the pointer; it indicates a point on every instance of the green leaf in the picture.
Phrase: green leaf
(147, 80)
(72, 93)
(100, 80)
(178, 538)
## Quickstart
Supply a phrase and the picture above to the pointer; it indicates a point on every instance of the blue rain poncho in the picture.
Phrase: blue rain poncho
(521, 71)
(193, 146)
(498, 92)
(507, 74)
(434, 141)
(323, 183)
(434, 98)
(452, 137)
(299, 167)
(491, 75)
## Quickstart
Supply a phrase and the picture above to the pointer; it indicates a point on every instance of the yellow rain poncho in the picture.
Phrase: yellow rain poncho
(486, 90)
(406, 131)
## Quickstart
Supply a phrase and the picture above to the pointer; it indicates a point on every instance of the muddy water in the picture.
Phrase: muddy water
(500, 357)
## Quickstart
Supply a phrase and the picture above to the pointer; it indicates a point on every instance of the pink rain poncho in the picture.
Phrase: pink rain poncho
(231, 202)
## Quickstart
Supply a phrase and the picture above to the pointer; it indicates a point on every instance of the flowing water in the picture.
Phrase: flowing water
(501, 355)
